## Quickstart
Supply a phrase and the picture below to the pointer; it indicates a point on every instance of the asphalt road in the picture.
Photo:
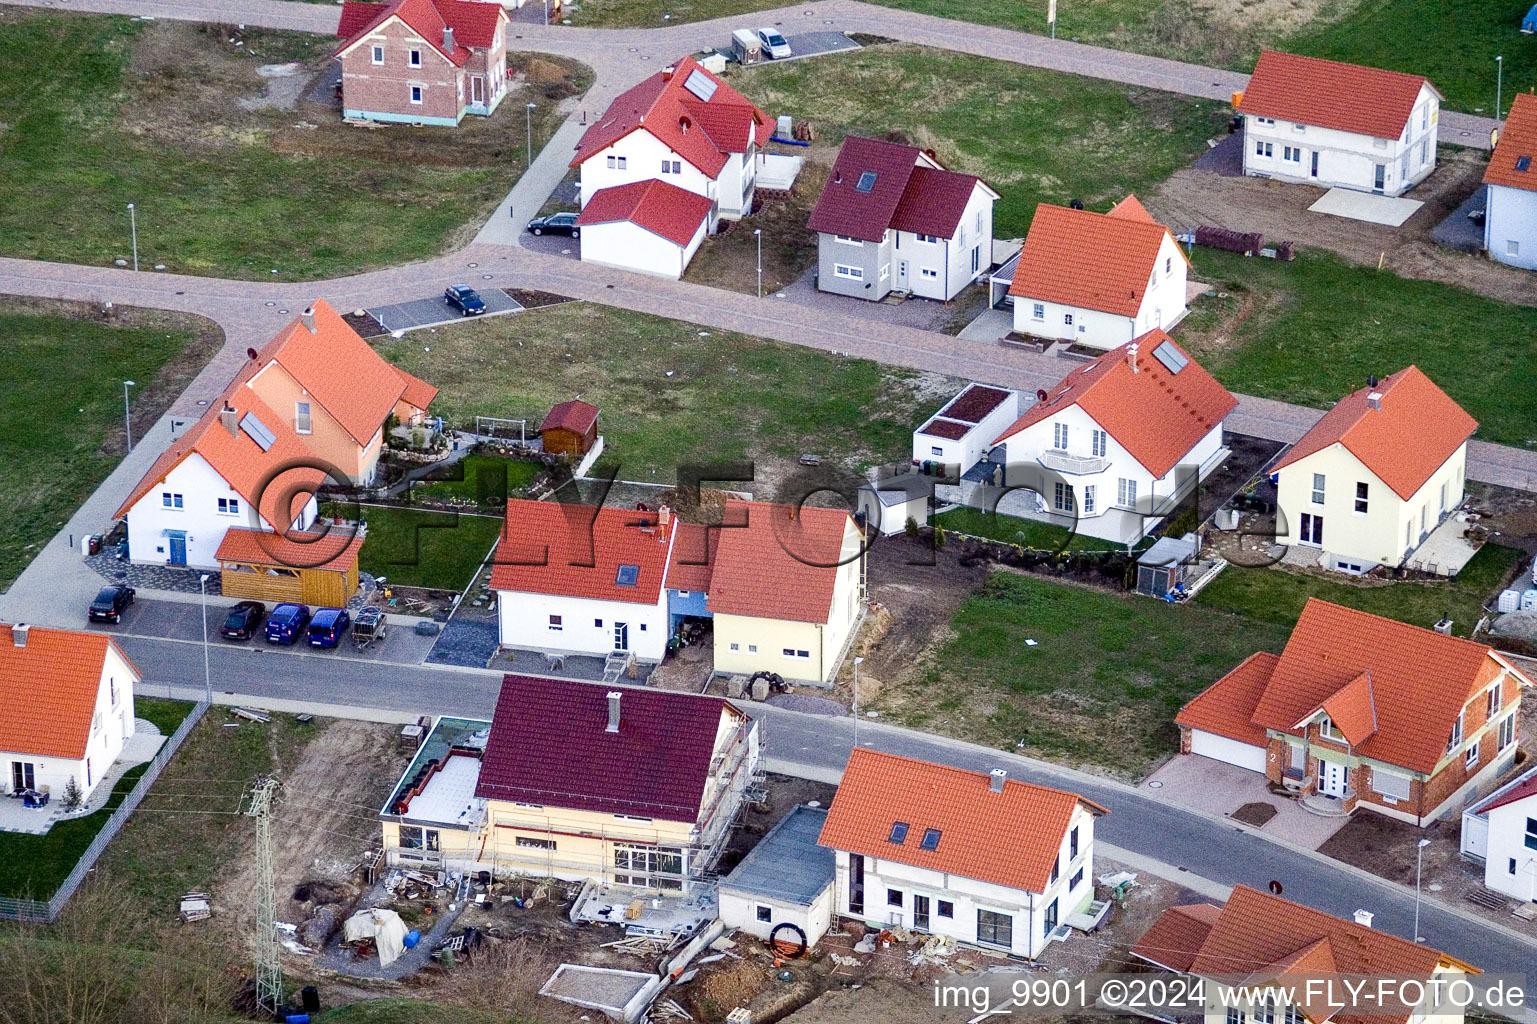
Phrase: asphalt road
(1211, 848)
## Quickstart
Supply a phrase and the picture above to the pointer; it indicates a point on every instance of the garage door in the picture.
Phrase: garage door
(1220, 748)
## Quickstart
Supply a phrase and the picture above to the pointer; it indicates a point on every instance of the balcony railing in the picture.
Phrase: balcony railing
(1078, 465)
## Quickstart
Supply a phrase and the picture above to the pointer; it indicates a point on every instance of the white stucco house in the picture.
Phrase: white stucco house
(1338, 125)
(79, 714)
(1097, 279)
(1117, 443)
(651, 227)
(783, 888)
(1500, 831)
(684, 126)
(983, 859)
(954, 440)
(1510, 187)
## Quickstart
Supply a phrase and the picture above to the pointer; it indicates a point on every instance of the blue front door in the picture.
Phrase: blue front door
(178, 548)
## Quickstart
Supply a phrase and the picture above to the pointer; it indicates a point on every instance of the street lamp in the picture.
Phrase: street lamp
(133, 227)
(530, 117)
(1499, 82)
(202, 586)
(1419, 853)
(127, 422)
(856, 701)
(546, 12)
(758, 234)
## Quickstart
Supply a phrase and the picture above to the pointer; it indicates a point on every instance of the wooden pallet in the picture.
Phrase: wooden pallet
(1486, 897)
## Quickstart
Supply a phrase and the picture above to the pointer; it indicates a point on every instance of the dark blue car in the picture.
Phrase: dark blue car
(328, 627)
(465, 299)
(287, 623)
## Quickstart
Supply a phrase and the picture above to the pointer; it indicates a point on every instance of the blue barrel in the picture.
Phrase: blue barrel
(412, 938)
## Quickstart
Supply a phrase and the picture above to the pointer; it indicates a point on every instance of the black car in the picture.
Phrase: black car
(555, 224)
(109, 604)
(243, 620)
(465, 299)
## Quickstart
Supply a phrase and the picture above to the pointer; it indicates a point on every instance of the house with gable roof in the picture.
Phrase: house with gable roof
(983, 859)
(422, 61)
(1362, 711)
(1115, 445)
(1500, 832)
(1370, 481)
(891, 219)
(651, 227)
(1510, 188)
(1338, 125)
(1261, 948)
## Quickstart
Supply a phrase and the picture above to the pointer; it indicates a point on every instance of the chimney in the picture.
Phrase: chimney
(231, 419)
(837, 177)
(1374, 400)
(308, 316)
(19, 634)
(996, 780)
(668, 72)
(1364, 918)
(613, 710)
(448, 38)
(1131, 356)
(663, 520)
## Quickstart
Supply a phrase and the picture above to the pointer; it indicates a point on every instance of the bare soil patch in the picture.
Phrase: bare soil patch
(1255, 814)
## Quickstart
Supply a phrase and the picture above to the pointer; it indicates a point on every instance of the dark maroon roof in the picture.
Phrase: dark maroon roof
(933, 202)
(949, 429)
(549, 745)
(843, 210)
(973, 404)
(576, 416)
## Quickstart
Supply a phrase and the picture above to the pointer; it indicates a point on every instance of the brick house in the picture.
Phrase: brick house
(422, 61)
(1362, 711)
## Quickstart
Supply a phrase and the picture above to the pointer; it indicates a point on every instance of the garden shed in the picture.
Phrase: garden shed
(571, 428)
(317, 568)
(1166, 565)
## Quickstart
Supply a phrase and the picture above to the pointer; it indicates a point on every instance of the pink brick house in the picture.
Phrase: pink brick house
(422, 61)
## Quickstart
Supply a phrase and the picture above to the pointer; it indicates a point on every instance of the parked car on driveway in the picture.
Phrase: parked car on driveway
(287, 623)
(243, 620)
(774, 44)
(109, 604)
(555, 224)
(465, 299)
(328, 627)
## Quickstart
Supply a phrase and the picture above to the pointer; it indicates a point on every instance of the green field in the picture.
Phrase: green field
(1014, 530)
(1034, 136)
(420, 548)
(485, 479)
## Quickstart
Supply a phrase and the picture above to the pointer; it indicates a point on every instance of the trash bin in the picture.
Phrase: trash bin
(95, 544)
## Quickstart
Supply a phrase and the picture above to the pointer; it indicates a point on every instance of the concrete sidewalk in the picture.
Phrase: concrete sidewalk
(522, 203)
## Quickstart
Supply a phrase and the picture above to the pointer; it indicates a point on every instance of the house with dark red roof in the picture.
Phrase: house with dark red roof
(1362, 711)
(1500, 832)
(1113, 447)
(1510, 188)
(891, 219)
(1325, 123)
(1096, 280)
(422, 61)
(1374, 477)
(980, 858)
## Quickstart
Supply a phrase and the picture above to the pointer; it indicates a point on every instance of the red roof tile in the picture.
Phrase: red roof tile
(905, 195)
(335, 549)
(51, 686)
(1417, 429)
(1011, 838)
(418, 392)
(427, 18)
(1100, 261)
(662, 209)
(779, 562)
(576, 551)
(933, 202)
(1155, 415)
(1352, 709)
(576, 416)
(701, 132)
(1176, 936)
(1226, 707)
(694, 553)
(549, 745)
(1526, 787)
(1518, 138)
(1326, 93)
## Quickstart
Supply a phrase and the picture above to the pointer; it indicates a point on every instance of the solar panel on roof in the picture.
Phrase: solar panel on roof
(898, 832)
(700, 84)
(1523, 163)
(1172, 358)
(866, 182)
(628, 576)
(258, 432)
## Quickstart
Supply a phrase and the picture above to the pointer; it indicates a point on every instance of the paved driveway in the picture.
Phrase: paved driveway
(1212, 787)
(409, 316)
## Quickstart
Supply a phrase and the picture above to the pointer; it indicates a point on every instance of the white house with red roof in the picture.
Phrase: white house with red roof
(1338, 125)
(68, 708)
(1500, 832)
(683, 126)
(1097, 279)
(980, 858)
(1510, 188)
(422, 61)
(1115, 445)
(1363, 711)
(891, 219)
(1375, 475)
(651, 227)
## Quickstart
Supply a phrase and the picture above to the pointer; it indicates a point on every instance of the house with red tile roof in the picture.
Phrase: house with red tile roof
(1259, 947)
(683, 126)
(1510, 188)
(422, 61)
(68, 708)
(1115, 445)
(1500, 832)
(1325, 123)
(1370, 481)
(981, 858)
(651, 227)
(1097, 280)
(1362, 711)
(892, 219)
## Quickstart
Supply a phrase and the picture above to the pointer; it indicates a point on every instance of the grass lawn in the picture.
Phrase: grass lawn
(1313, 330)
(33, 866)
(486, 479)
(1277, 595)
(1035, 136)
(420, 548)
(1100, 689)
(63, 430)
(1014, 530)
(107, 111)
(670, 393)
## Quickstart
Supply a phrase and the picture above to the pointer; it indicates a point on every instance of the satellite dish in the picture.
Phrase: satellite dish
(250, 353)
(1076, 204)
(1040, 394)
(1275, 888)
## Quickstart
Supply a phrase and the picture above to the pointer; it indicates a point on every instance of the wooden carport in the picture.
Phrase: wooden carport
(314, 568)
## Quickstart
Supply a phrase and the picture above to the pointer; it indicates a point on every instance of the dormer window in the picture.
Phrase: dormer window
(1327, 730)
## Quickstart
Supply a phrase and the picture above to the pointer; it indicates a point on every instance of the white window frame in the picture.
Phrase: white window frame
(1318, 488)
(1292, 154)
(1456, 738)
(1471, 757)
(1088, 498)
(847, 240)
(928, 272)
(1264, 120)
(304, 418)
(557, 624)
(414, 58)
(1099, 443)
(1505, 732)
(1494, 699)
(418, 94)
(847, 272)
(794, 654)
(1363, 497)
(378, 53)
(1059, 435)
(229, 506)
(1038, 311)
(1264, 149)
(927, 239)
(1327, 730)
(1126, 492)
